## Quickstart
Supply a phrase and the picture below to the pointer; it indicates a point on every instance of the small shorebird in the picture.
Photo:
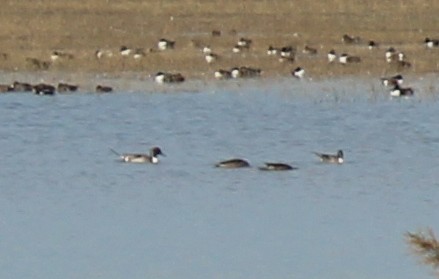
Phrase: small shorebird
(233, 164)
(139, 157)
(277, 167)
(331, 158)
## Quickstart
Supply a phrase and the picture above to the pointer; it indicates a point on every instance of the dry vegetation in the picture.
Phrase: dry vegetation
(426, 246)
(34, 29)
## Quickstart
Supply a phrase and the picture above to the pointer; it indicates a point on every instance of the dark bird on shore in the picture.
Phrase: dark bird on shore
(65, 87)
(22, 87)
(103, 89)
(347, 39)
(44, 89)
(6, 88)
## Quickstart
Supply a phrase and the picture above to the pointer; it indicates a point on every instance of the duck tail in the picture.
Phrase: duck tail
(115, 152)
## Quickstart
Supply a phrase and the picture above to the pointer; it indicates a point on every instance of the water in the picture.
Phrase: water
(69, 209)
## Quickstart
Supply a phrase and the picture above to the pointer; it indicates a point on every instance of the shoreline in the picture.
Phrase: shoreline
(33, 33)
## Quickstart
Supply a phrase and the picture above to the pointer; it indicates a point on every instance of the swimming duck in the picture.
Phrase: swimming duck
(139, 157)
(392, 81)
(233, 164)
(277, 167)
(331, 158)
(398, 91)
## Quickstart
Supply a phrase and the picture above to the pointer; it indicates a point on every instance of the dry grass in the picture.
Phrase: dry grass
(426, 246)
(33, 29)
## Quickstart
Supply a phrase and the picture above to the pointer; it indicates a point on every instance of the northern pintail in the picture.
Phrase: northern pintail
(162, 77)
(347, 59)
(233, 164)
(431, 43)
(211, 57)
(392, 81)
(245, 72)
(222, 74)
(299, 72)
(331, 158)
(332, 56)
(165, 44)
(140, 157)
(125, 51)
(398, 91)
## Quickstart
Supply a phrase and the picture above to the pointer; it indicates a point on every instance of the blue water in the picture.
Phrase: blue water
(69, 209)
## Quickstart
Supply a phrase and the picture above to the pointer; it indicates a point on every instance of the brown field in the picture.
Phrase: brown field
(34, 29)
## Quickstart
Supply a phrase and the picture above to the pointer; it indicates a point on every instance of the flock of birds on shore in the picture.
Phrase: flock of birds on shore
(283, 54)
(152, 158)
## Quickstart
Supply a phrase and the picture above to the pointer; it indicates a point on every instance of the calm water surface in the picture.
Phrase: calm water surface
(69, 209)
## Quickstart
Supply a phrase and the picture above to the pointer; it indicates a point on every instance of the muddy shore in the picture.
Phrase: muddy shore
(33, 31)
